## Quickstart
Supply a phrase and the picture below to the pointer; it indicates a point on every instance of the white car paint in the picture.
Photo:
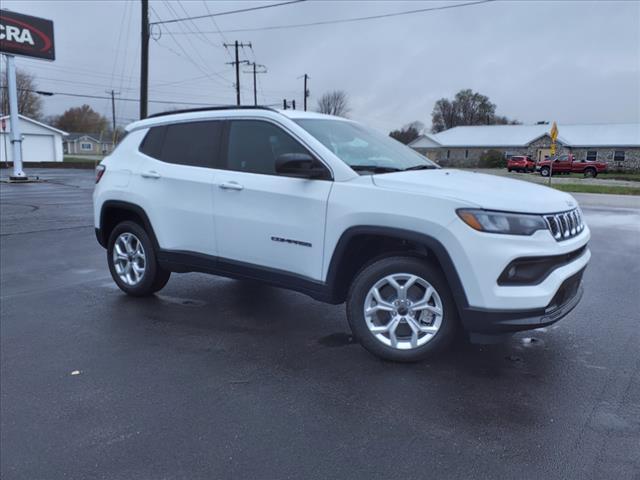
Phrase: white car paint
(189, 211)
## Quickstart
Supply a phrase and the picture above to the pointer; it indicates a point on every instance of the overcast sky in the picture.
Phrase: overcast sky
(573, 61)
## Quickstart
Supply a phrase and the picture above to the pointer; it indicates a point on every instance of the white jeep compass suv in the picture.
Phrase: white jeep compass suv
(325, 206)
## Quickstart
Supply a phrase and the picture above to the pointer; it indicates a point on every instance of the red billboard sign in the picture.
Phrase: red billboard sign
(26, 35)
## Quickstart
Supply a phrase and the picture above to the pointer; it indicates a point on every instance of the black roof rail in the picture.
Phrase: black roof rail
(213, 109)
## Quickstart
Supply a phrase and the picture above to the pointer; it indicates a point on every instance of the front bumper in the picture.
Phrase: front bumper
(491, 322)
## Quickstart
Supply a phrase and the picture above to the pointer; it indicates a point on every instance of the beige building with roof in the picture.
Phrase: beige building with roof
(616, 144)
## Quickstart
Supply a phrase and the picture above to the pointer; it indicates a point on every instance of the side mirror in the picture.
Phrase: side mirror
(300, 165)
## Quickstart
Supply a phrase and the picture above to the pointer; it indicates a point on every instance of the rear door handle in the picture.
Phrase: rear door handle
(150, 174)
(231, 186)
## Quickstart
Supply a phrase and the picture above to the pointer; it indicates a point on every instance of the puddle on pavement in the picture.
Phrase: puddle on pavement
(186, 302)
(337, 340)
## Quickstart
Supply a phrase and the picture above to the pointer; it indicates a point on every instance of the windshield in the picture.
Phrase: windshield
(363, 149)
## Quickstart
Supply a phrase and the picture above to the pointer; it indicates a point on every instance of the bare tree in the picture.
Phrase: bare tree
(467, 108)
(29, 102)
(334, 103)
(408, 133)
(81, 119)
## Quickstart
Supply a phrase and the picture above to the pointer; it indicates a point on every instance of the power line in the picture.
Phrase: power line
(187, 56)
(102, 97)
(229, 12)
(353, 19)
(186, 29)
(197, 31)
(215, 24)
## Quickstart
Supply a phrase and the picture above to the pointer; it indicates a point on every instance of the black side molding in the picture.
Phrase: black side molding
(128, 207)
(439, 251)
(182, 262)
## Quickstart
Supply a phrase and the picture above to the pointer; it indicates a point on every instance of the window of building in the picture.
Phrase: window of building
(86, 146)
(466, 154)
(618, 155)
(448, 154)
(254, 146)
(196, 144)
(592, 155)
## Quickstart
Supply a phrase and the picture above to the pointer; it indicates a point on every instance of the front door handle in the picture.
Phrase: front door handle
(231, 186)
(150, 174)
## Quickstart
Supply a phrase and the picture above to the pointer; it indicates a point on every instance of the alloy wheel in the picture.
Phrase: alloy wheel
(403, 311)
(129, 258)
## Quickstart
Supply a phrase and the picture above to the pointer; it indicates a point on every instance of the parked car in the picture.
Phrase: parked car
(330, 208)
(567, 163)
(521, 163)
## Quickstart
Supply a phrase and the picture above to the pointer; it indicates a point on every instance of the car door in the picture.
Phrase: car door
(562, 164)
(175, 183)
(264, 219)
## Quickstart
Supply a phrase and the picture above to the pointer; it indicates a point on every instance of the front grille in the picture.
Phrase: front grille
(565, 225)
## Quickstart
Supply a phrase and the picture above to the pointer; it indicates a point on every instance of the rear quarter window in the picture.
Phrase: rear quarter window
(194, 144)
(152, 143)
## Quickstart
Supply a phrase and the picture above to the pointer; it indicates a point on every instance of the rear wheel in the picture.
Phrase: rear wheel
(590, 172)
(544, 171)
(132, 261)
(401, 309)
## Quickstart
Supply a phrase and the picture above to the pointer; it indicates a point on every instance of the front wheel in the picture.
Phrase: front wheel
(401, 309)
(544, 171)
(132, 261)
(590, 173)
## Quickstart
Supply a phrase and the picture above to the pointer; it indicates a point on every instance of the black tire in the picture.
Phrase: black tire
(376, 271)
(154, 277)
(544, 171)
(590, 172)
(509, 170)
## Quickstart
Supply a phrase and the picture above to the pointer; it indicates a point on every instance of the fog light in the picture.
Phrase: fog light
(512, 272)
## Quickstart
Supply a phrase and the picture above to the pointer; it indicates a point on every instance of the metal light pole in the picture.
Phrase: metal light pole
(14, 120)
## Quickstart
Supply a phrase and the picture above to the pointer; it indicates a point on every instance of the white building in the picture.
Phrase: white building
(40, 142)
(616, 144)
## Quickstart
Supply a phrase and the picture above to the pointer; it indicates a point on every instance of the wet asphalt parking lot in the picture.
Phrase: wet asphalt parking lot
(217, 378)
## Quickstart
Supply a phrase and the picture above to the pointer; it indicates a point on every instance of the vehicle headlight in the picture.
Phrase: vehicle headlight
(501, 222)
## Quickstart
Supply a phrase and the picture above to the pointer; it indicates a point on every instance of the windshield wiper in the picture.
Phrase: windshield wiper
(420, 167)
(374, 168)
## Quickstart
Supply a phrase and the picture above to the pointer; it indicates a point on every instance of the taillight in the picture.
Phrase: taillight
(100, 169)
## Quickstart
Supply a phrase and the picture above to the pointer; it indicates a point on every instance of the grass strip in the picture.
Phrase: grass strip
(609, 189)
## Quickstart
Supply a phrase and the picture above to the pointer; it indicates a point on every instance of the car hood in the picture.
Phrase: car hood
(481, 190)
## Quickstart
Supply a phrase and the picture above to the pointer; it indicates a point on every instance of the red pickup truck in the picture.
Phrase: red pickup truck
(568, 164)
(521, 163)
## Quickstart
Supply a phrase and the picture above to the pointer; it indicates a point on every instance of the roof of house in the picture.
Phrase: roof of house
(599, 135)
(93, 136)
(35, 122)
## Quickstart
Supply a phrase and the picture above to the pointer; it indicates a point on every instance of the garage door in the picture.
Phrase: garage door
(38, 148)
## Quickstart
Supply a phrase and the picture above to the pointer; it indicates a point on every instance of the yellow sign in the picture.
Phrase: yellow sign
(554, 132)
(552, 149)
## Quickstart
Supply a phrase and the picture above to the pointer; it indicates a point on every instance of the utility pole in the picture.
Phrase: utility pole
(237, 63)
(287, 105)
(306, 91)
(144, 60)
(113, 117)
(255, 71)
